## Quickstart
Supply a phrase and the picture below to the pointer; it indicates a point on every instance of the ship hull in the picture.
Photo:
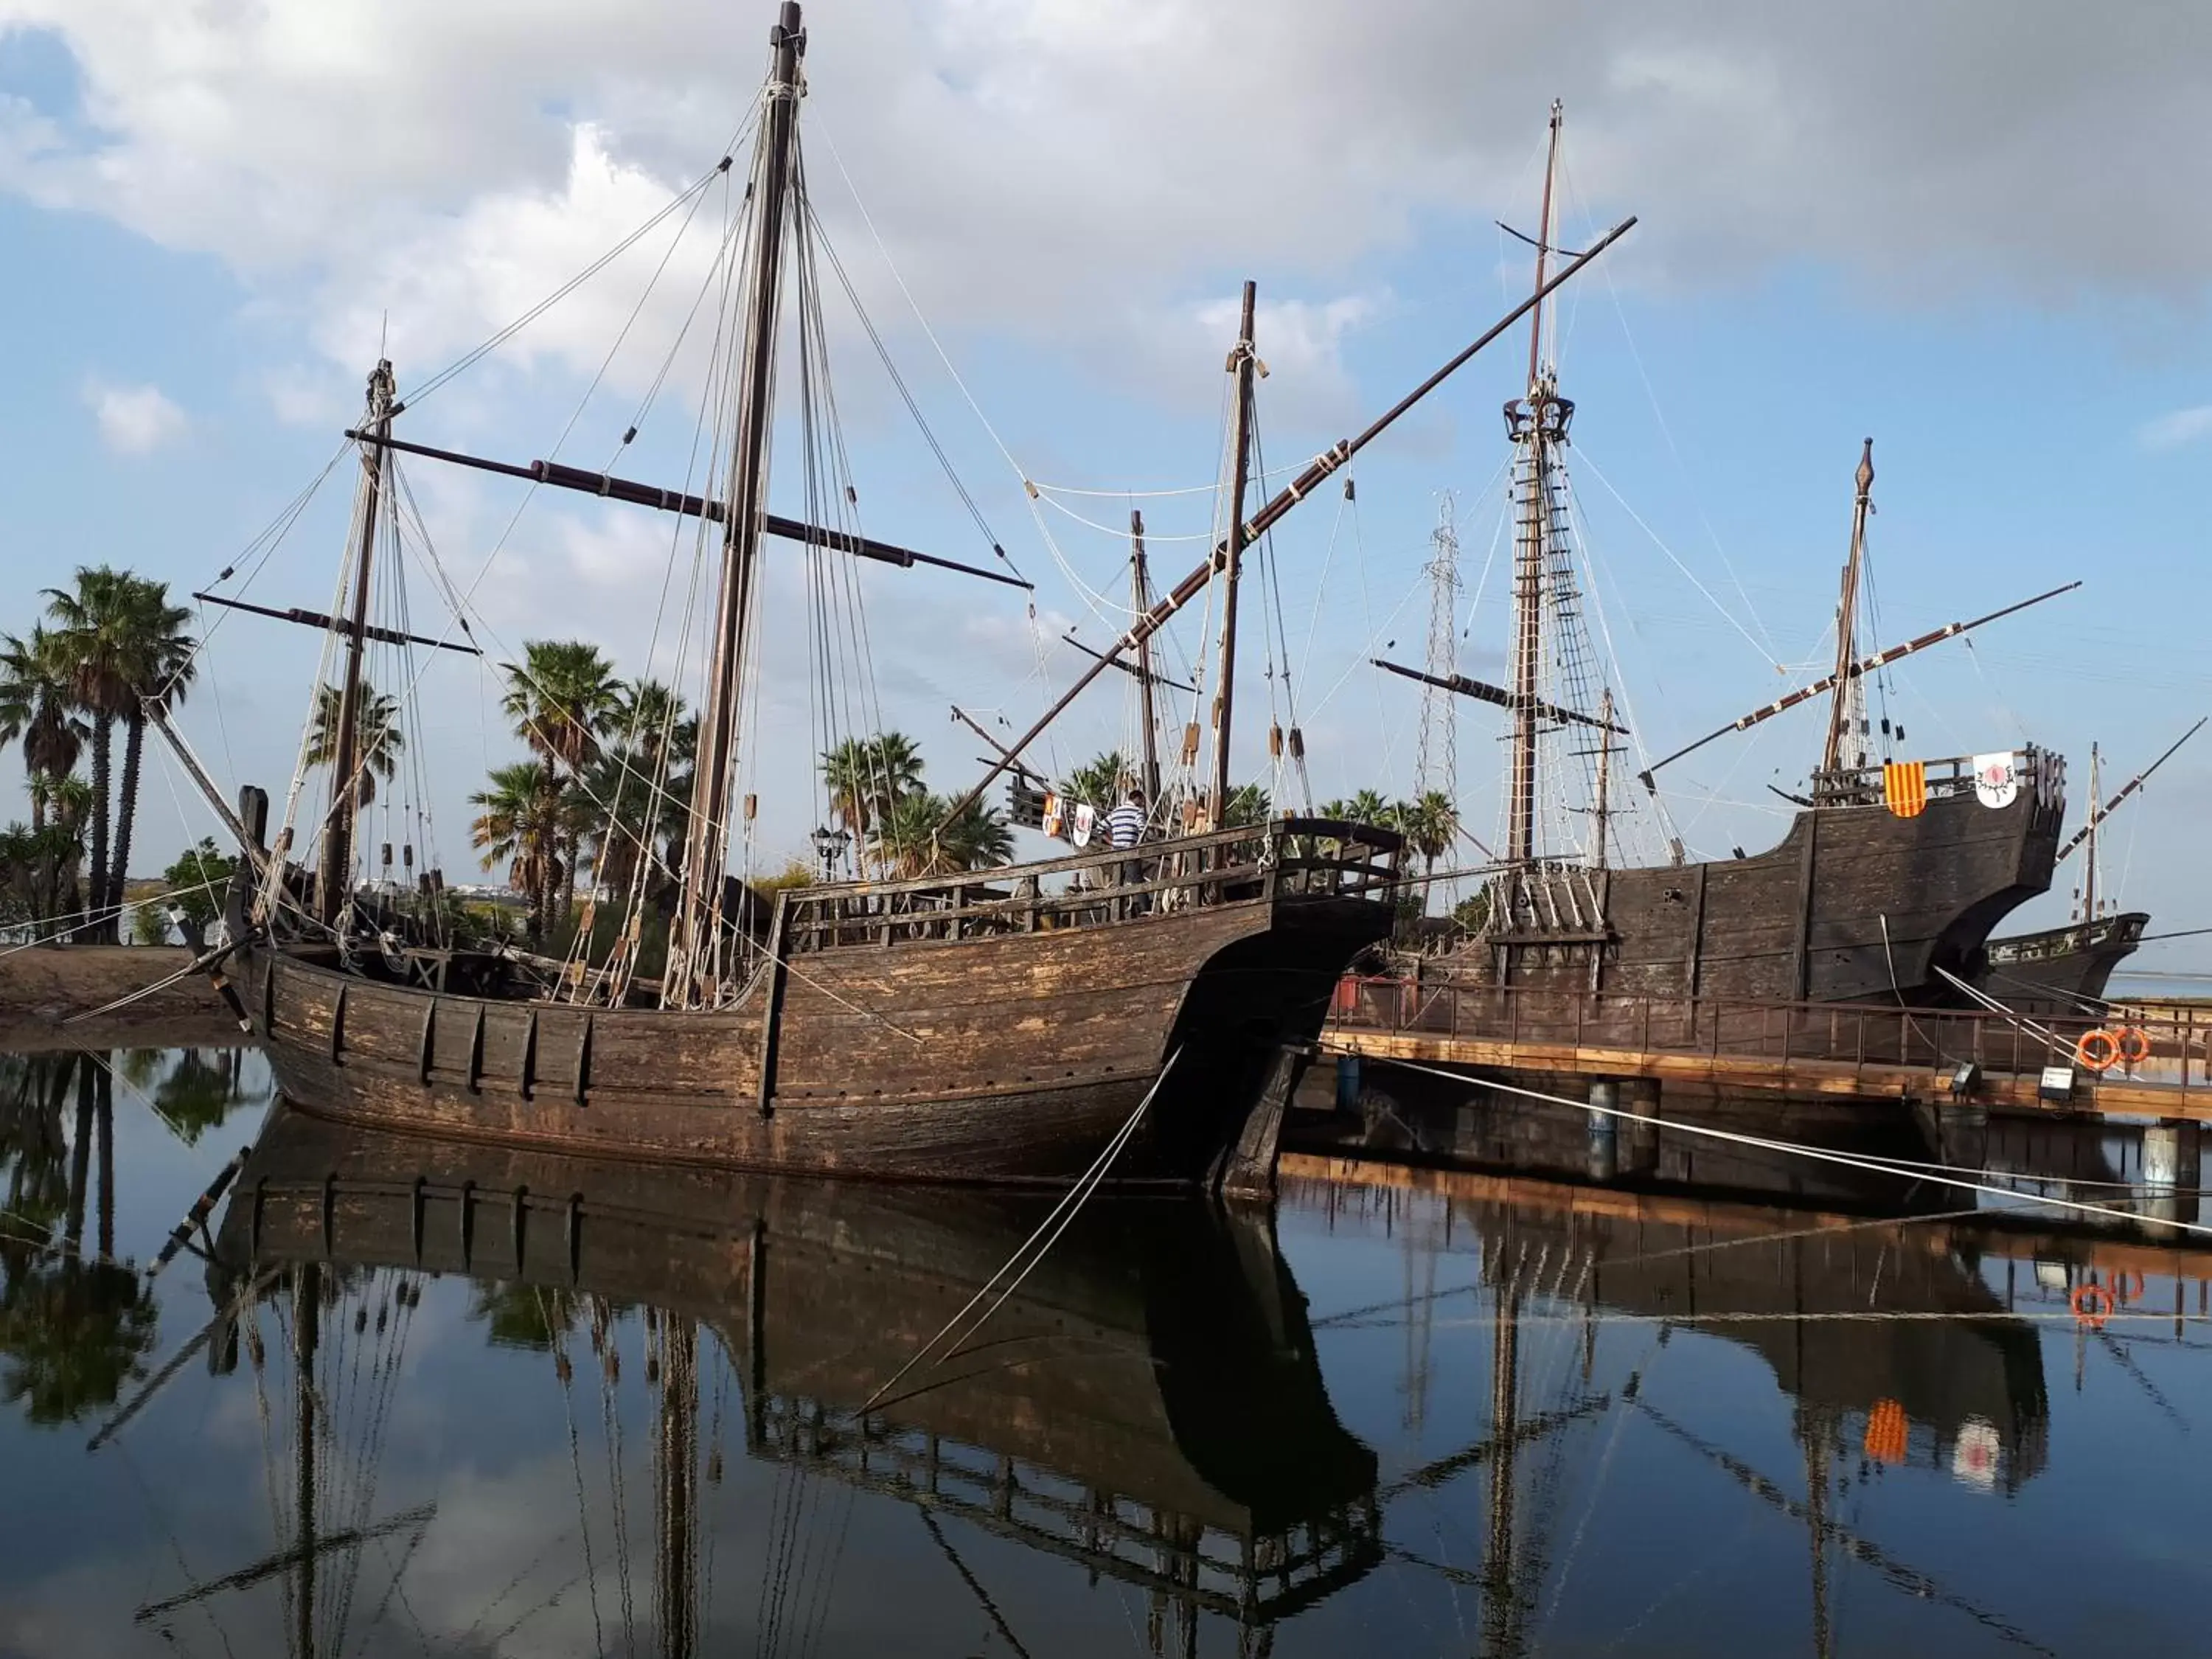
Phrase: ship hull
(2061, 971)
(1011, 1059)
(1855, 905)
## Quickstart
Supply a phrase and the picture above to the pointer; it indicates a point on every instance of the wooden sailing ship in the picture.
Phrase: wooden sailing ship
(1889, 877)
(1163, 1421)
(2064, 971)
(999, 1028)
(1033, 1023)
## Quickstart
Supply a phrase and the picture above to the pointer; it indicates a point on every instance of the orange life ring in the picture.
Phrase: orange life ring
(2127, 1285)
(2135, 1044)
(2092, 1304)
(2097, 1051)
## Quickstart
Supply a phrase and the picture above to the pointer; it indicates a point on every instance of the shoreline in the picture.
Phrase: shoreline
(42, 986)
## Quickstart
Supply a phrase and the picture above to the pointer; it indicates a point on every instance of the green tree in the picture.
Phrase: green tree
(73, 1336)
(39, 872)
(1430, 823)
(1100, 780)
(563, 696)
(1249, 806)
(868, 778)
(378, 740)
(908, 842)
(519, 823)
(196, 883)
(38, 710)
(197, 1093)
(520, 1316)
(640, 787)
(122, 643)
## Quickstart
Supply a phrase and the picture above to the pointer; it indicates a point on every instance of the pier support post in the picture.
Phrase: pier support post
(2172, 1170)
(1604, 1129)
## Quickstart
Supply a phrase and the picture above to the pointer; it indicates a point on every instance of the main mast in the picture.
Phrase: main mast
(1241, 361)
(1535, 424)
(1847, 712)
(335, 880)
(695, 957)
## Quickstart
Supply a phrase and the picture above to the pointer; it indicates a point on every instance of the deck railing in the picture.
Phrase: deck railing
(1289, 857)
(2177, 1038)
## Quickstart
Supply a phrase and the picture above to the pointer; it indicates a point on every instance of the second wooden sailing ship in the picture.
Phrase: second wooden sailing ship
(1890, 877)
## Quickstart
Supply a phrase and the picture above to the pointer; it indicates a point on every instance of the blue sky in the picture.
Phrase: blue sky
(1967, 236)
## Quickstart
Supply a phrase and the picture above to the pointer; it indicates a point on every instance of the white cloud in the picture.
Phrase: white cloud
(134, 419)
(2177, 427)
(1073, 173)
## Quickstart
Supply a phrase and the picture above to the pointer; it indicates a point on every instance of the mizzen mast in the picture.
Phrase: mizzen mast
(695, 964)
(1847, 712)
(1537, 423)
(1140, 601)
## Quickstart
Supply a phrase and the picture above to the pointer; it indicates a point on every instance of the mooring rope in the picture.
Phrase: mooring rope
(1063, 1213)
(1857, 1161)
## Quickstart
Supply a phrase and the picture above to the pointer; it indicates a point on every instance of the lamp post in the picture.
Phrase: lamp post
(830, 841)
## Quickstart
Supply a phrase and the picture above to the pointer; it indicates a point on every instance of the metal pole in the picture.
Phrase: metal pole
(1240, 366)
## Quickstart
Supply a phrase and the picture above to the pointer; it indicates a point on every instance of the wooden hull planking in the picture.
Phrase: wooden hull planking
(1010, 1058)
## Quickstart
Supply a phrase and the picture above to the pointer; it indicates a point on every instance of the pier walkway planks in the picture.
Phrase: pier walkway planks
(1882, 1053)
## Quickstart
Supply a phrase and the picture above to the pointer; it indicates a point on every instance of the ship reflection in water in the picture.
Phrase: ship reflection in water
(421, 1396)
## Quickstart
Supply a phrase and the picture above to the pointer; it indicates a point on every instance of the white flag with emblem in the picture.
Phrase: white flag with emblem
(1996, 778)
(1086, 816)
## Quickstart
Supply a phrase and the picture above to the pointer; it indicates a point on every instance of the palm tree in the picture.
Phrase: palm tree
(908, 842)
(563, 698)
(36, 710)
(1100, 780)
(641, 784)
(1249, 804)
(378, 739)
(95, 633)
(1429, 823)
(159, 669)
(1365, 807)
(868, 777)
(519, 823)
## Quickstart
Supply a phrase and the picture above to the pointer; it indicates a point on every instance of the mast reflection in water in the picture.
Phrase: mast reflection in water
(1146, 1404)
(1523, 1413)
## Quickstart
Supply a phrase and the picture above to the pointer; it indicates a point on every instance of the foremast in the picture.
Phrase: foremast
(697, 962)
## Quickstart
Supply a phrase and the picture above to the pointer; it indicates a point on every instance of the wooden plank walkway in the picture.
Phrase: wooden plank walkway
(1832, 1051)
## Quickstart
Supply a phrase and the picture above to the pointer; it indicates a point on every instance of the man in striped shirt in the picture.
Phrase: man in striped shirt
(1125, 824)
(1125, 827)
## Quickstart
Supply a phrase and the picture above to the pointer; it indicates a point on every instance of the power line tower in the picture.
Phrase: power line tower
(1437, 763)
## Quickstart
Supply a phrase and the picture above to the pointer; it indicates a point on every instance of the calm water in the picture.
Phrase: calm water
(1423, 1413)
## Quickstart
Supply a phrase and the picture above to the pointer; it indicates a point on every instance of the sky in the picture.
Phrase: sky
(1971, 232)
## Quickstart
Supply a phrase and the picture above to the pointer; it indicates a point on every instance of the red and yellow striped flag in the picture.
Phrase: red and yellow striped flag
(1905, 787)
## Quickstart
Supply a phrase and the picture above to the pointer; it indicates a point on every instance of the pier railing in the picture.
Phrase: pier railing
(2171, 1044)
(1289, 857)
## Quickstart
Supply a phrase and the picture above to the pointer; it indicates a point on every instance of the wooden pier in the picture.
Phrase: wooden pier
(1868, 1051)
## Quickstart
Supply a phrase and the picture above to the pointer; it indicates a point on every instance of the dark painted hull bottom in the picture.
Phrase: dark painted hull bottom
(1041, 1085)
